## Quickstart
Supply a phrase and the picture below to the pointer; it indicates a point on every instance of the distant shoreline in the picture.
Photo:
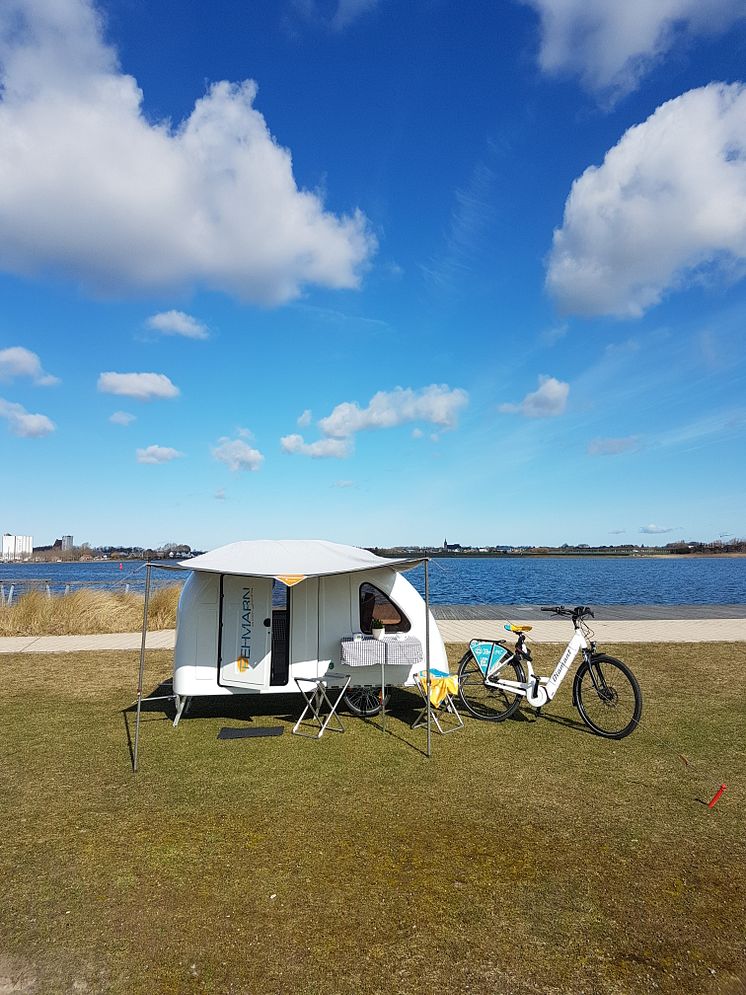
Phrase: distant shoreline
(575, 554)
(566, 556)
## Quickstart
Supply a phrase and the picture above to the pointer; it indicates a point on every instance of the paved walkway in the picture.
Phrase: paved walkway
(648, 627)
(645, 631)
(612, 623)
(617, 613)
(163, 639)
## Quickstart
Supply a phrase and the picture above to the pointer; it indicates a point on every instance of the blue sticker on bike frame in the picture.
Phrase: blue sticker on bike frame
(487, 654)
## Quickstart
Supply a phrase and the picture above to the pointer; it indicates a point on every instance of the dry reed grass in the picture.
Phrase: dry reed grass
(87, 611)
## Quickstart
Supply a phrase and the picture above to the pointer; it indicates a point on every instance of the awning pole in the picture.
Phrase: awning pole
(142, 664)
(427, 650)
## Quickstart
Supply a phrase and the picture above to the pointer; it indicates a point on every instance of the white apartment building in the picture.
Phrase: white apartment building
(16, 547)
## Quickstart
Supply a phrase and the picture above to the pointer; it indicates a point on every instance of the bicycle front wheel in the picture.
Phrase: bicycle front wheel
(608, 697)
(483, 702)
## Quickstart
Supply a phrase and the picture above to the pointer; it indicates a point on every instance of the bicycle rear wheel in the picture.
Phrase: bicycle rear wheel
(483, 702)
(608, 697)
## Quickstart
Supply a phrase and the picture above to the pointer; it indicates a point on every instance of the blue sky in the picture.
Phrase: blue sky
(372, 271)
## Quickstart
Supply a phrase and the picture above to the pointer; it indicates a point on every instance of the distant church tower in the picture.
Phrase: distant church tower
(445, 544)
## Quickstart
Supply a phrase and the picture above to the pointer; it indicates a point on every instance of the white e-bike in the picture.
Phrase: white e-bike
(493, 680)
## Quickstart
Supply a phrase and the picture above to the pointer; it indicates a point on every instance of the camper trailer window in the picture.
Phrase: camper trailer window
(375, 604)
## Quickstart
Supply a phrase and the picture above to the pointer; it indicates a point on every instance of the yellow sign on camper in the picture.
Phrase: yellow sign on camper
(242, 664)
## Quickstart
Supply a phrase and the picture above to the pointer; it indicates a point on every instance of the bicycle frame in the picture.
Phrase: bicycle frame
(539, 690)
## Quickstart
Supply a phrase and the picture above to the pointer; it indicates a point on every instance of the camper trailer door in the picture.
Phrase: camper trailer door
(245, 631)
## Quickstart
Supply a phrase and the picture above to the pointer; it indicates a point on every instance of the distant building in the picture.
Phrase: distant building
(16, 547)
(67, 543)
(450, 547)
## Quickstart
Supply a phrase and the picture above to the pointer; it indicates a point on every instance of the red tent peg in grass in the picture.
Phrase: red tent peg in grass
(717, 796)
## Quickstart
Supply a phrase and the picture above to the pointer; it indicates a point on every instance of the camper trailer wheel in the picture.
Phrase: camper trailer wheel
(365, 702)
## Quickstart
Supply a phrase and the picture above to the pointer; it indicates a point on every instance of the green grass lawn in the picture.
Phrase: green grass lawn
(524, 857)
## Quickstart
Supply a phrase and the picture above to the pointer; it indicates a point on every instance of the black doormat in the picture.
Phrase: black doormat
(226, 733)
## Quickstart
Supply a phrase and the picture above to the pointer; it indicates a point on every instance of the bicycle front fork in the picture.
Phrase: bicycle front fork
(597, 678)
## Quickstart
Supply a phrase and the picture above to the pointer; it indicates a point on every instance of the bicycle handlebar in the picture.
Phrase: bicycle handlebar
(580, 612)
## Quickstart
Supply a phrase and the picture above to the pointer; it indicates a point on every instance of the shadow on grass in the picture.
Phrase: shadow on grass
(286, 708)
(524, 715)
(562, 720)
(408, 707)
(403, 707)
(130, 744)
(158, 706)
(163, 692)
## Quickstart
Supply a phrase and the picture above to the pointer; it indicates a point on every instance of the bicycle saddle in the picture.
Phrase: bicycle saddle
(517, 628)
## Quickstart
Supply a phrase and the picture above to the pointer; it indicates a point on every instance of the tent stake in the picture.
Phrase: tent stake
(427, 649)
(142, 665)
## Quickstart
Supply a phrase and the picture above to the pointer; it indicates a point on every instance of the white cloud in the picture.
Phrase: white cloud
(613, 447)
(143, 386)
(304, 420)
(237, 454)
(655, 529)
(437, 404)
(617, 532)
(471, 216)
(219, 494)
(699, 432)
(611, 44)
(24, 423)
(417, 433)
(158, 454)
(342, 14)
(668, 201)
(349, 10)
(92, 189)
(178, 323)
(343, 484)
(321, 449)
(19, 362)
(548, 400)
(122, 418)
(550, 336)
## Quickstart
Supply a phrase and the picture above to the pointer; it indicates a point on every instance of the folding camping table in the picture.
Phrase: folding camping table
(395, 649)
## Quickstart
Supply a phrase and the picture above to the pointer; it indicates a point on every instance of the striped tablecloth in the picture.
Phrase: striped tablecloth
(390, 651)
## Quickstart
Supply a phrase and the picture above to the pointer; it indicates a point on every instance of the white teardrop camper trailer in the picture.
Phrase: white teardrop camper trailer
(255, 616)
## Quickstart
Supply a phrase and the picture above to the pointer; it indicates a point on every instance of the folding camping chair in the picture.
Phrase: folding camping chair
(441, 702)
(315, 697)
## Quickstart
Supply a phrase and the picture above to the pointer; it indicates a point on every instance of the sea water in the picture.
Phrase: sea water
(485, 580)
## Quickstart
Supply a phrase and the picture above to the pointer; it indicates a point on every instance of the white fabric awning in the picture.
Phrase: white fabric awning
(291, 560)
